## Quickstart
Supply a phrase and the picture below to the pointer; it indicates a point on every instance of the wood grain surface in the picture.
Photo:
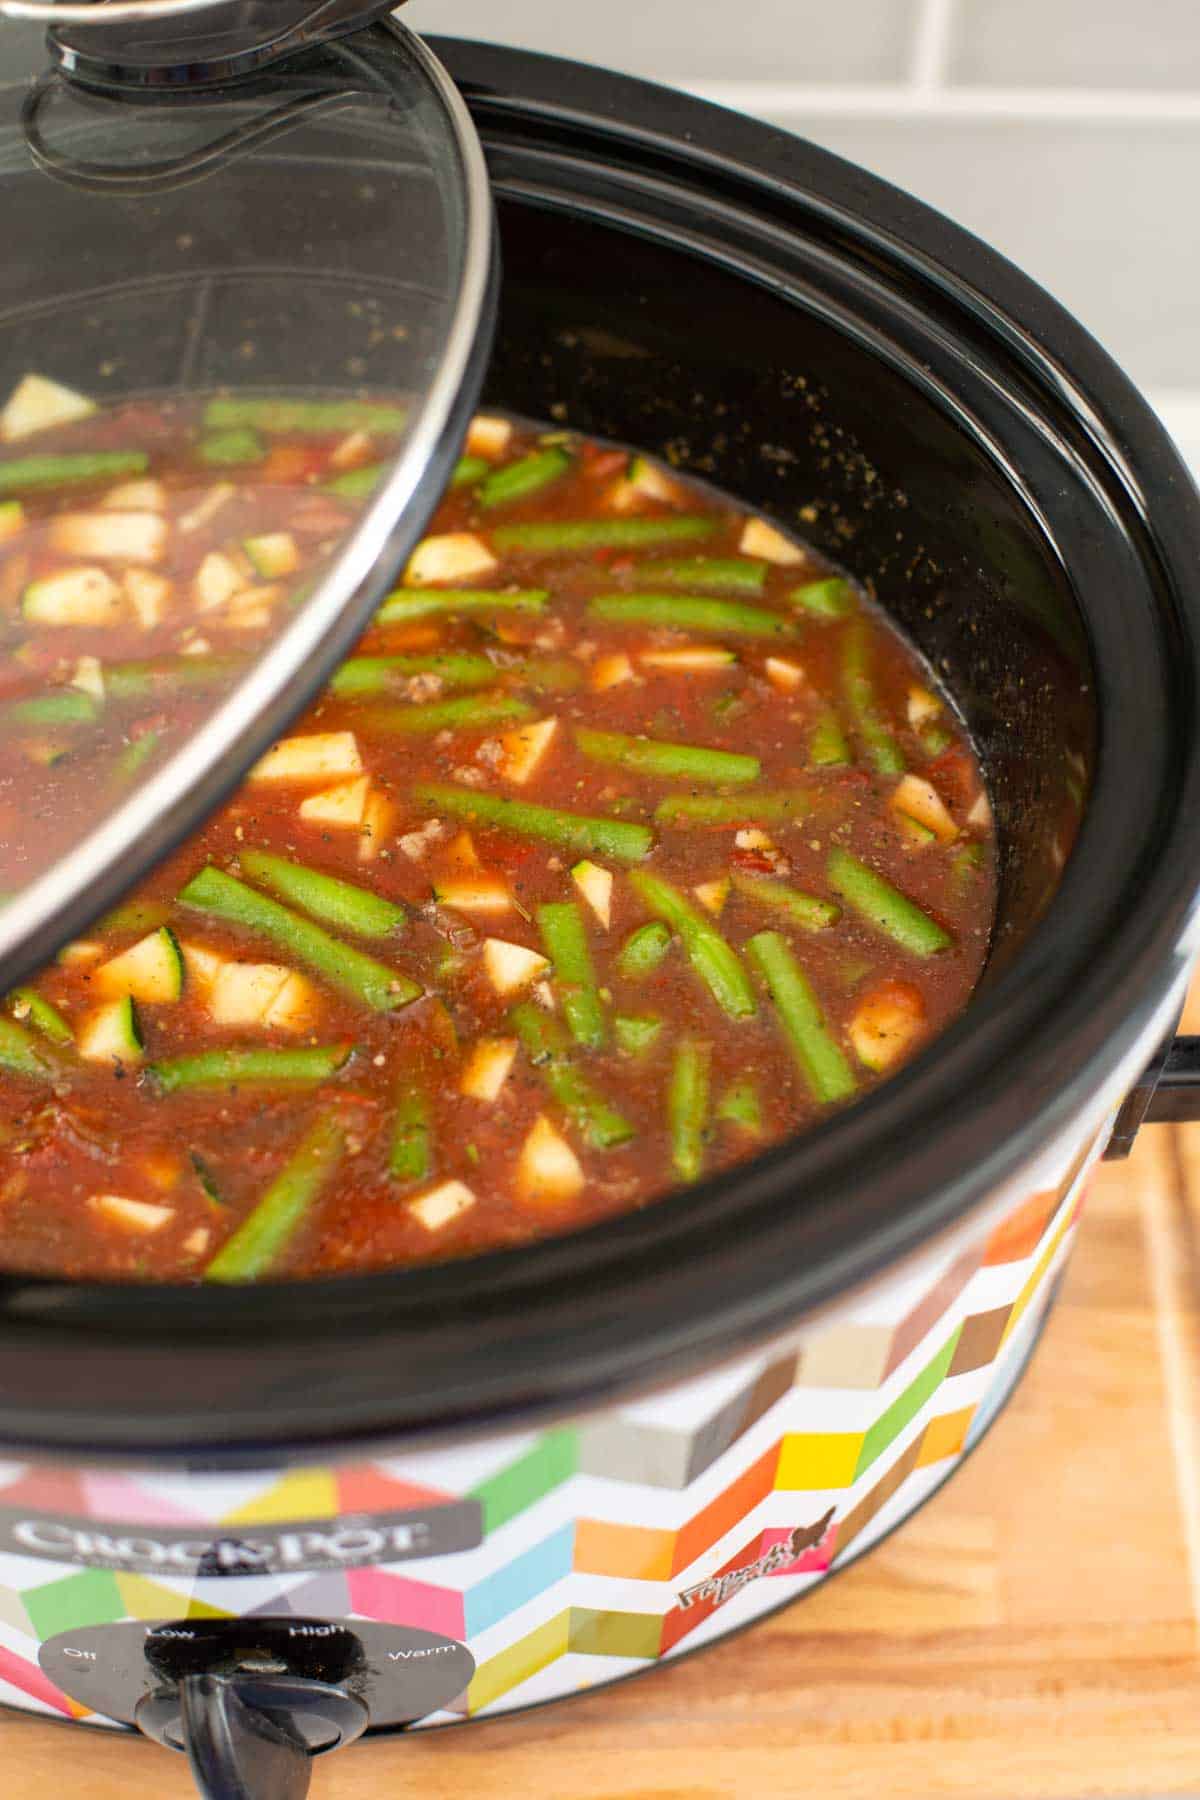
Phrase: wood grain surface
(1033, 1632)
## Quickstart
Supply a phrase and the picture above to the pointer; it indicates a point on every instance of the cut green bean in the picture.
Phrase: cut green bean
(715, 961)
(636, 1034)
(65, 706)
(740, 1105)
(468, 470)
(774, 808)
(830, 599)
(649, 756)
(27, 1003)
(361, 977)
(520, 479)
(687, 1107)
(377, 674)
(827, 746)
(130, 680)
(818, 1057)
(356, 484)
(18, 1052)
(305, 1067)
(231, 449)
(643, 950)
(885, 907)
(281, 415)
(737, 574)
(71, 470)
(690, 612)
(564, 936)
(261, 1239)
(470, 712)
(548, 1047)
(808, 911)
(326, 897)
(410, 1157)
(600, 534)
(565, 830)
(421, 603)
(136, 753)
(883, 752)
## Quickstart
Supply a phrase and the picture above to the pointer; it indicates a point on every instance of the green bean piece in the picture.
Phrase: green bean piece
(361, 977)
(470, 712)
(965, 866)
(45, 1017)
(808, 911)
(546, 537)
(468, 470)
(377, 674)
(356, 484)
(280, 415)
(827, 746)
(883, 752)
(65, 706)
(326, 897)
(520, 479)
(565, 830)
(715, 961)
(737, 574)
(830, 599)
(18, 1052)
(636, 1034)
(649, 756)
(231, 449)
(818, 1057)
(304, 1067)
(71, 470)
(690, 612)
(740, 1105)
(565, 938)
(543, 675)
(130, 680)
(420, 603)
(265, 1234)
(687, 1107)
(643, 950)
(885, 907)
(137, 752)
(410, 1157)
(735, 809)
(548, 1047)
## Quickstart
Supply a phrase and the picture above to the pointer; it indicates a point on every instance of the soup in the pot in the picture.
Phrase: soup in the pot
(631, 840)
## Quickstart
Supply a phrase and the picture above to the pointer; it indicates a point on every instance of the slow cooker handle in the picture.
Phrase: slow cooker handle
(1168, 1093)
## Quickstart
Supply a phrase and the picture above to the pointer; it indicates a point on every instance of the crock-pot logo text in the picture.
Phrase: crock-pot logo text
(720, 1588)
(304, 1544)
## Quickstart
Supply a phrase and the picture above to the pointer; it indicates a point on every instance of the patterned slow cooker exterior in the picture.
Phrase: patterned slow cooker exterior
(590, 1549)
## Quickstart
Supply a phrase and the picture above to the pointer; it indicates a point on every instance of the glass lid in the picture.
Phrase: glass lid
(245, 306)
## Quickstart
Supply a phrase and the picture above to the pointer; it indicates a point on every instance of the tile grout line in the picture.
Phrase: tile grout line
(894, 100)
(1167, 1269)
(931, 46)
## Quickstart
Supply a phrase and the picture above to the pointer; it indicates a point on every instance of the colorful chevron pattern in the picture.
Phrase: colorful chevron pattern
(615, 1541)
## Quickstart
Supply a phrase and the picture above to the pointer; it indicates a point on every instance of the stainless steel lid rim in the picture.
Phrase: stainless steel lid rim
(569, 1322)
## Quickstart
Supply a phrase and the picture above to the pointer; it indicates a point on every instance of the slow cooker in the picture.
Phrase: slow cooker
(254, 1524)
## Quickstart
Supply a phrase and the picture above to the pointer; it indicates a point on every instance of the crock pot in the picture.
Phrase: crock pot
(258, 1522)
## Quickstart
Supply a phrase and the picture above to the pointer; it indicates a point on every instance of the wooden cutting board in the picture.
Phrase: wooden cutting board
(1033, 1632)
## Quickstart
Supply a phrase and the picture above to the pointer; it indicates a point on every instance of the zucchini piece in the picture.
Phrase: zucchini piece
(38, 404)
(452, 556)
(111, 1033)
(18, 1053)
(75, 597)
(310, 758)
(151, 970)
(273, 554)
(136, 537)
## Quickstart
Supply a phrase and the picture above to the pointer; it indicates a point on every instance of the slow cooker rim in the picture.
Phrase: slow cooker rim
(1140, 960)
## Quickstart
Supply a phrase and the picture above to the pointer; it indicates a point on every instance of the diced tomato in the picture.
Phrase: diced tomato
(954, 777)
(755, 862)
(293, 464)
(599, 463)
